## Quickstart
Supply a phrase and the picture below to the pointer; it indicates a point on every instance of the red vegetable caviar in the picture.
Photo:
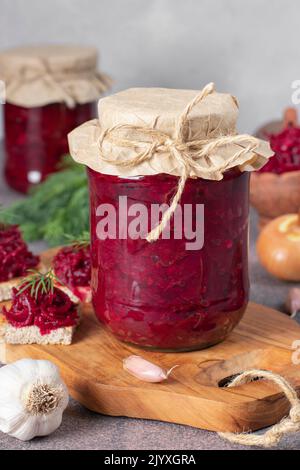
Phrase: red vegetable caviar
(158, 294)
(286, 146)
(36, 139)
(72, 266)
(15, 258)
(48, 311)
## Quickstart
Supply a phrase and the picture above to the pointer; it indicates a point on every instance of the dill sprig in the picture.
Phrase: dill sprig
(57, 206)
(39, 283)
(81, 242)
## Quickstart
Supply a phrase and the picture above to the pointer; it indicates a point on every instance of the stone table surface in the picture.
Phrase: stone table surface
(83, 429)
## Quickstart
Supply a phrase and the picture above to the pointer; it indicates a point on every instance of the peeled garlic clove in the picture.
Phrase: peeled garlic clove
(145, 370)
(293, 301)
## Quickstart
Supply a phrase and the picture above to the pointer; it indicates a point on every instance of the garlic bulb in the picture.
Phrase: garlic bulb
(145, 370)
(33, 398)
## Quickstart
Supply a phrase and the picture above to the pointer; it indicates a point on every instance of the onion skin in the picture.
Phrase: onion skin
(278, 247)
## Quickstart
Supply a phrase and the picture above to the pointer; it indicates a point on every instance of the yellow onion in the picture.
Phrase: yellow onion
(278, 247)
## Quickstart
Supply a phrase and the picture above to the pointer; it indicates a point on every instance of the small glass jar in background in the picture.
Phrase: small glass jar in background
(50, 90)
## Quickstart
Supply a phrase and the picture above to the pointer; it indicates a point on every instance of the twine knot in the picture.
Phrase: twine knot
(55, 79)
(288, 425)
(186, 153)
(295, 413)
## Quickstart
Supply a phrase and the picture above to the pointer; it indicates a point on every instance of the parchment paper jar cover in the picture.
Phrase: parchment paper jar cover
(49, 91)
(152, 291)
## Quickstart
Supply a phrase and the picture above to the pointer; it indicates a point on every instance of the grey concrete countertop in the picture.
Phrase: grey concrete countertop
(82, 429)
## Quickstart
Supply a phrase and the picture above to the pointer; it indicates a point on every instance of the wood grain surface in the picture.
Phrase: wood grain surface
(92, 369)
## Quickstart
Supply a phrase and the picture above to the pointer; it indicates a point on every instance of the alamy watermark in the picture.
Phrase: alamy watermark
(135, 221)
(296, 93)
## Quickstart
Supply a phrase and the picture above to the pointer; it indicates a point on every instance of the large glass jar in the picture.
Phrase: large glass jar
(36, 140)
(161, 295)
(177, 281)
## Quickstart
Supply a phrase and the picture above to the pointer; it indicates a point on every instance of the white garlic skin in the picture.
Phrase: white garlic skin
(144, 370)
(16, 382)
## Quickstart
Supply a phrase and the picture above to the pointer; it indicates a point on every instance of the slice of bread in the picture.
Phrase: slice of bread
(32, 335)
(3, 325)
(84, 292)
(6, 288)
(68, 291)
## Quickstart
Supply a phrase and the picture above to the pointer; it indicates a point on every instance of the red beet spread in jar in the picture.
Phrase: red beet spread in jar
(48, 311)
(72, 265)
(15, 258)
(286, 146)
(159, 294)
(36, 139)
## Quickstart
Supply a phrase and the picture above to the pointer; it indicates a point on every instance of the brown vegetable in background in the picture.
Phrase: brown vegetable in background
(274, 193)
(278, 247)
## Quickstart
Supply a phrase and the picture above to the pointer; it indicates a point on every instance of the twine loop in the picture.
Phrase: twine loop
(295, 413)
(288, 425)
(186, 153)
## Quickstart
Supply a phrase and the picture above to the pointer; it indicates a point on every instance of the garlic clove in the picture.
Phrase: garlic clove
(26, 430)
(24, 368)
(47, 427)
(145, 370)
(11, 417)
(293, 301)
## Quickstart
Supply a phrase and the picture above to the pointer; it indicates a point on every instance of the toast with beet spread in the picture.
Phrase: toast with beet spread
(72, 266)
(15, 260)
(40, 313)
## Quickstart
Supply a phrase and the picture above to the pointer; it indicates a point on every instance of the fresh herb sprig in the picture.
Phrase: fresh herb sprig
(57, 206)
(81, 242)
(39, 283)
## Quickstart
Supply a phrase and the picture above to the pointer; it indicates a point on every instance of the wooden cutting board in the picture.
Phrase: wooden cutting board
(193, 395)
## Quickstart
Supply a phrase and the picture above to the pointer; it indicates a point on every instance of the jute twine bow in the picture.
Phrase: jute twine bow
(186, 153)
(101, 81)
(288, 425)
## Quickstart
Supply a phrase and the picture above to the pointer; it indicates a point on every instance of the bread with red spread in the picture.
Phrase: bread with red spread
(40, 313)
(6, 288)
(15, 260)
(72, 266)
(83, 294)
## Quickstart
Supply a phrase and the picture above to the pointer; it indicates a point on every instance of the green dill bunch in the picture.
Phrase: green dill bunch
(58, 206)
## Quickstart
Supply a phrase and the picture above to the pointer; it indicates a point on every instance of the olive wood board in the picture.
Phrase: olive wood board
(93, 371)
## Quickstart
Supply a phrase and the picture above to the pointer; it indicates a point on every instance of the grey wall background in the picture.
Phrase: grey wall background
(250, 48)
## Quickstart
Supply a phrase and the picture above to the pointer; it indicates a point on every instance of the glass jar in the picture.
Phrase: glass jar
(36, 140)
(49, 90)
(161, 295)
